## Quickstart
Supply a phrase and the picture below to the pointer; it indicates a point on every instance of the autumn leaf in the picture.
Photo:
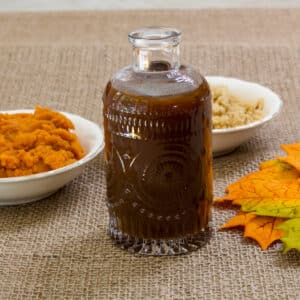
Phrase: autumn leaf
(241, 219)
(269, 170)
(273, 191)
(279, 170)
(262, 229)
(291, 236)
(267, 199)
(293, 152)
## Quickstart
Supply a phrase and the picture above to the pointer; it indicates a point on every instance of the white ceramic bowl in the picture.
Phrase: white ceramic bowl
(227, 139)
(24, 189)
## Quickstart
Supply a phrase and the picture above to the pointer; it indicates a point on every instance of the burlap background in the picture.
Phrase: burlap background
(58, 248)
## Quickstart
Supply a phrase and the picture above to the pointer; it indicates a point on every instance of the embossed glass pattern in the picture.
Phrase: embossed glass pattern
(157, 122)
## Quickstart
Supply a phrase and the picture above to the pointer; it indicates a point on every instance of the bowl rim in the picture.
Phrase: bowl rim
(96, 149)
(257, 123)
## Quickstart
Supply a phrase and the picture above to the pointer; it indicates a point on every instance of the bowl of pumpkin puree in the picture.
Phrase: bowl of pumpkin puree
(42, 150)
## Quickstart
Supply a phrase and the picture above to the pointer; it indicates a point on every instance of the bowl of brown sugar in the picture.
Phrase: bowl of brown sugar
(239, 109)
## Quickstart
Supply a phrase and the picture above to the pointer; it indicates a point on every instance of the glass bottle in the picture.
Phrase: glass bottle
(157, 124)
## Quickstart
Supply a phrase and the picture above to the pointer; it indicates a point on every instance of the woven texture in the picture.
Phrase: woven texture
(58, 248)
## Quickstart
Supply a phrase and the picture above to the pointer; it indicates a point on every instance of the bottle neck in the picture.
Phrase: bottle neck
(151, 59)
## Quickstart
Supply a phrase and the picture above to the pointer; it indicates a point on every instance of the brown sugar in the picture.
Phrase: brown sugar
(232, 111)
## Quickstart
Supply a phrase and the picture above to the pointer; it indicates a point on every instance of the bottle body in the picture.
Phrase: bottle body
(159, 162)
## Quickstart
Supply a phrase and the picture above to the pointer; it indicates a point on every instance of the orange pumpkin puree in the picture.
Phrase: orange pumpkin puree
(35, 143)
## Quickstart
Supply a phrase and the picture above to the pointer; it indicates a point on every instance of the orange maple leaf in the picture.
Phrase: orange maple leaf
(261, 229)
(268, 198)
(293, 152)
(273, 191)
(269, 170)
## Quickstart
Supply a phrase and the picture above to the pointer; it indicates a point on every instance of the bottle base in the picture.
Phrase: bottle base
(158, 247)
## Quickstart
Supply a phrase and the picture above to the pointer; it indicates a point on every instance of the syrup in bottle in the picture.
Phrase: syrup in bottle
(157, 124)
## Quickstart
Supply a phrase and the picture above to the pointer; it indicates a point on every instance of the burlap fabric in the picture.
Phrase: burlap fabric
(58, 248)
